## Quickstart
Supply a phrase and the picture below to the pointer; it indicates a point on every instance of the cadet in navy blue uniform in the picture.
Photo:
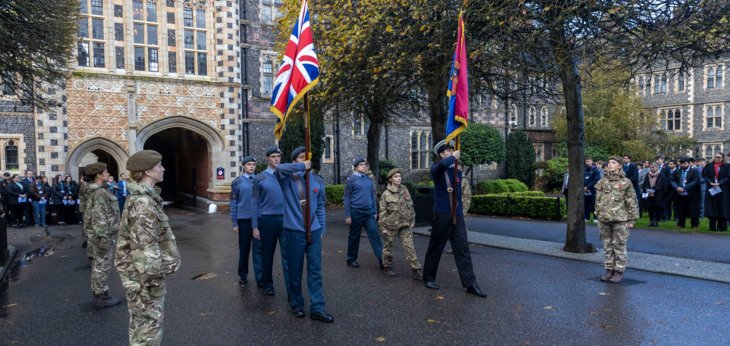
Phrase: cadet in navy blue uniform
(360, 210)
(241, 192)
(292, 181)
(268, 220)
(443, 229)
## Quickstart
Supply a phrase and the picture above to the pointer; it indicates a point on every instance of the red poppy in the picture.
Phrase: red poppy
(316, 190)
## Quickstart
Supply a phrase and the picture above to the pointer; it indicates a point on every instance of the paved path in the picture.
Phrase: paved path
(533, 299)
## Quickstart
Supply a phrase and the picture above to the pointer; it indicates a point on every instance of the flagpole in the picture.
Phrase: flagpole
(454, 201)
(308, 157)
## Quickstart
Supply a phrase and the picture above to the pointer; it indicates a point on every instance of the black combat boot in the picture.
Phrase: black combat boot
(387, 271)
(104, 300)
(617, 277)
(607, 276)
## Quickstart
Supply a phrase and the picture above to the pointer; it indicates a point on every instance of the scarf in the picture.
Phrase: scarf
(652, 178)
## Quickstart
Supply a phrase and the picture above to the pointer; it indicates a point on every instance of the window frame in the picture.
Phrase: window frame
(710, 112)
(87, 43)
(331, 151)
(664, 116)
(422, 149)
(191, 24)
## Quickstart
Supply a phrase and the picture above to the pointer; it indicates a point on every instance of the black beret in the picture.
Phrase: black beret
(95, 168)
(143, 160)
(296, 153)
(272, 150)
(358, 160)
(247, 159)
(6, 174)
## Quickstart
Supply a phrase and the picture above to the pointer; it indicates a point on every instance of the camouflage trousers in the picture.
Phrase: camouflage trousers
(614, 236)
(101, 266)
(406, 237)
(145, 314)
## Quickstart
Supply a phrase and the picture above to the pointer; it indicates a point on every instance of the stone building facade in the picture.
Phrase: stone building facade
(693, 103)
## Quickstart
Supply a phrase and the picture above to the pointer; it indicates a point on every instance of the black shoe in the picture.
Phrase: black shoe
(298, 313)
(475, 290)
(242, 281)
(321, 316)
(259, 284)
(353, 264)
(84, 245)
(431, 285)
(269, 291)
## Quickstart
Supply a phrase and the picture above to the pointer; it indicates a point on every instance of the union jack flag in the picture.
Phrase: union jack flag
(298, 73)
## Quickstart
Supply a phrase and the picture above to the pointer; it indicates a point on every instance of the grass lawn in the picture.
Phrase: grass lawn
(672, 226)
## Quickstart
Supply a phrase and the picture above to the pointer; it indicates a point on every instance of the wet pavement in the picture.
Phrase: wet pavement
(533, 299)
(698, 246)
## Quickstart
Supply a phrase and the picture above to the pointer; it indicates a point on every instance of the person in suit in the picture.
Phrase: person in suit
(686, 184)
(590, 177)
(122, 191)
(717, 207)
(654, 186)
(27, 182)
(632, 172)
(669, 206)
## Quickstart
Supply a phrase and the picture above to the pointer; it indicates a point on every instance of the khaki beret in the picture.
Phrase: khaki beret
(393, 171)
(615, 158)
(95, 168)
(143, 160)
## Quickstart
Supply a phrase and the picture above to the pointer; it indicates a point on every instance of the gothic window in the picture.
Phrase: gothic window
(267, 74)
(544, 117)
(420, 144)
(11, 156)
(146, 46)
(671, 119)
(531, 117)
(90, 46)
(713, 116)
(195, 36)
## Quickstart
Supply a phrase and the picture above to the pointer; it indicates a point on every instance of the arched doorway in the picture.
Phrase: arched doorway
(97, 150)
(186, 158)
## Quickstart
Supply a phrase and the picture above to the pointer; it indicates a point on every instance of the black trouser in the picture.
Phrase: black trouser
(590, 206)
(17, 211)
(656, 212)
(718, 223)
(248, 245)
(668, 208)
(271, 228)
(443, 230)
(28, 213)
(684, 208)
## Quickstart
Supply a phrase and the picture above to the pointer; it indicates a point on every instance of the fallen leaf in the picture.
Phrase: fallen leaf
(271, 312)
(380, 339)
(204, 276)
(439, 297)
(10, 305)
(603, 293)
(339, 251)
(606, 326)
(549, 307)
(206, 313)
(432, 321)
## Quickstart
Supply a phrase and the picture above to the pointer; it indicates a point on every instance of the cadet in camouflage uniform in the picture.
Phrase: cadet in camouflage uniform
(616, 209)
(102, 214)
(396, 218)
(82, 208)
(146, 249)
(465, 195)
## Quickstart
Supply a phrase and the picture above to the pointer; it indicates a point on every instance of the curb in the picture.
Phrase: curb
(4, 270)
(704, 270)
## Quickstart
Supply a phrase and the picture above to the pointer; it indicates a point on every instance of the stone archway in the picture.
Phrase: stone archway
(95, 147)
(191, 151)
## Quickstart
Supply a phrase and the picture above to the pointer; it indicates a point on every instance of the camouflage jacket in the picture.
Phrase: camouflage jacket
(465, 195)
(102, 208)
(616, 198)
(83, 195)
(146, 248)
(396, 208)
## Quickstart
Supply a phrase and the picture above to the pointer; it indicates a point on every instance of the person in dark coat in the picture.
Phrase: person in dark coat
(669, 193)
(686, 184)
(58, 192)
(17, 197)
(590, 177)
(654, 186)
(717, 207)
(632, 172)
(70, 197)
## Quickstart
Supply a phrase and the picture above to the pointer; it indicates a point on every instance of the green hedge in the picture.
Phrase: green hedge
(523, 194)
(335, 193)
(485, 187)
(532, 207)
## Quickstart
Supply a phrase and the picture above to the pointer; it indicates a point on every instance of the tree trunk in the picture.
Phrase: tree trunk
(575, 238)
(373, 151)
(437, 113)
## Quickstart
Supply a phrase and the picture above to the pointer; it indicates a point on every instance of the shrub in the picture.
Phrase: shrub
(385, 166)
(552, 177)
(522, 194)
(334, 194)
(520, 157)
(544, 208)
(515, 185)
(500, 186)
(491, 187)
